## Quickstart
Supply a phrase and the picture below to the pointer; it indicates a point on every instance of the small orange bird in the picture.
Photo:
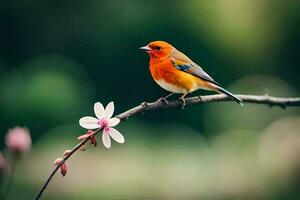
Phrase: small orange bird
(177, 73)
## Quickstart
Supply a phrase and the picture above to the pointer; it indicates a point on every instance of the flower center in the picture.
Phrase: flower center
(103, 123)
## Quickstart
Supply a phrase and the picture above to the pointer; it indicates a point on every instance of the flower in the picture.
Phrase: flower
(18, 140)
(105, 122)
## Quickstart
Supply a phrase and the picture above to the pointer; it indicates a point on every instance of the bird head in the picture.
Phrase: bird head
(158, 49)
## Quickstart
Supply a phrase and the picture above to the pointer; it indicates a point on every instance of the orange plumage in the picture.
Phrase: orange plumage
(165, 71)
(176, 73)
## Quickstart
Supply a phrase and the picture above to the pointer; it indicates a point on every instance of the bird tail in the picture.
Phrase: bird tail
(232, 96)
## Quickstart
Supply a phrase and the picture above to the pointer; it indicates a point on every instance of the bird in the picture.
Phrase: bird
(175, 72)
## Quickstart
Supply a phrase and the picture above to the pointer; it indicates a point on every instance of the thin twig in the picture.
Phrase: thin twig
(77, 147)
(158, 105)
(11, 176)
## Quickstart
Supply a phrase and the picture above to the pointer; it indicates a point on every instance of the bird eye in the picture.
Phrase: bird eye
(158, 48)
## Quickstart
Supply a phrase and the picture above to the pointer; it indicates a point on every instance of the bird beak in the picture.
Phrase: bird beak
(145, 48)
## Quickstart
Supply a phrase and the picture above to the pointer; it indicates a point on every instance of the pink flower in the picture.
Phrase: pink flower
(105, 122)
(18, 140)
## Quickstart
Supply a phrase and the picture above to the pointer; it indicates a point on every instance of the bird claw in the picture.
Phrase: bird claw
(164, 100)
(183, 103)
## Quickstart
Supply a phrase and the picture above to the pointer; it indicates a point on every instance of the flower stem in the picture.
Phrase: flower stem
(10, 177)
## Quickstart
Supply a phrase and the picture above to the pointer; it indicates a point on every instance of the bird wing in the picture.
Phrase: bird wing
(183, 63)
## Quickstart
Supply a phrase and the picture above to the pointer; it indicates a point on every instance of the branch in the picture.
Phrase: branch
(255, 99)
(157, 105)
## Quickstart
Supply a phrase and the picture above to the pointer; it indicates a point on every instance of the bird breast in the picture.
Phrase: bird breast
(170, 87)
(171, 79)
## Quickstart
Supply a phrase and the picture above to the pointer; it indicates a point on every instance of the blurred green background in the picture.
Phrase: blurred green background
(59, 57)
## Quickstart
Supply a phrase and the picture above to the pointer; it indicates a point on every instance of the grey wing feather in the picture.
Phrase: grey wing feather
(193, 69)
(199, 72)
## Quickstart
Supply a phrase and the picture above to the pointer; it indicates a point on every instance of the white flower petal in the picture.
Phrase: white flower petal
(113, 122)
(109, 110)
(99, 110)
(89, 122)
(106, 139)
(116, 135)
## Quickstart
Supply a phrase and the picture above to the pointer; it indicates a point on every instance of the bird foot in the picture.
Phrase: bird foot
(164, 100)
(183, 103)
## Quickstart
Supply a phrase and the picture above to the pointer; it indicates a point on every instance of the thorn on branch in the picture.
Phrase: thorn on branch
(82, 148)
(200, 99)
(144, 104)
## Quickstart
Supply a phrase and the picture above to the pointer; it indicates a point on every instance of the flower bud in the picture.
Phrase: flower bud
(58, 161)
(67, 152)
(86, 135)
(89, 132)
(82, 137)
(93, 141)
(63, 169)
(18, 140)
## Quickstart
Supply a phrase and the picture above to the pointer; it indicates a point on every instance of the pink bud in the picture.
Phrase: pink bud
(67, 152)
(58, 161)
(86, 135)
(89, 132)
(93, 141)
(63, 169)
(18, 140)
(82, 137)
